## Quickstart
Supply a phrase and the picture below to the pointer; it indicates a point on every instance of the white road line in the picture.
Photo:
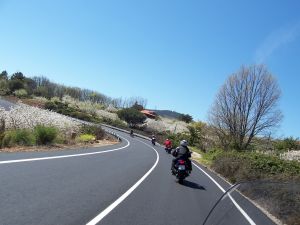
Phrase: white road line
(64, 156)
(111, 207)
(234, 202)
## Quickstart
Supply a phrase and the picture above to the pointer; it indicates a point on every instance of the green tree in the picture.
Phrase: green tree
(132, 116)
(186, 118)
(15, 84)
(17, 76)
(3, 75)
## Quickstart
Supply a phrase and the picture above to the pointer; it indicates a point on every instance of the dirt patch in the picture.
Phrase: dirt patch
(59, 147)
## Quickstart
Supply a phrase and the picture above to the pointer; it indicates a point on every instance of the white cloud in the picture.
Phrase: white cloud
(276, 40)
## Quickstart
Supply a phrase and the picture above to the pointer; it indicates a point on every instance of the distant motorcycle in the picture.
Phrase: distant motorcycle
(180, 170)
(153, 140)
(168, 150)
(131, 133)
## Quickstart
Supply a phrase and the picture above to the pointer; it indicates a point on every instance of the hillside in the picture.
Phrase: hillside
(167, 113)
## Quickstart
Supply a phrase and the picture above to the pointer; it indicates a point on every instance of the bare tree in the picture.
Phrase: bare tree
(246, 106)
(129, 102)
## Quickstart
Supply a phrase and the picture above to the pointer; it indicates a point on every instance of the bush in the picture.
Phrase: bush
(116, 123)
(289, 143)
(45, 135)
(185, 118)
(18, 137)
(86, 138)
(20, 93)
(244, 166)
(15, 85)
(132, 116)
(4, 90)
(96, 131)
(65, 109)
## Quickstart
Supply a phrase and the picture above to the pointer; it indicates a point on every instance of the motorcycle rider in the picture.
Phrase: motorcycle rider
(153, 139)
(182, 152)
(168, 143)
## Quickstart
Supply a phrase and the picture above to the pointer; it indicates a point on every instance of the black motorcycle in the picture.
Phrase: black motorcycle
(168, 150)
(131, 133)
(153, 140)
(180, 170)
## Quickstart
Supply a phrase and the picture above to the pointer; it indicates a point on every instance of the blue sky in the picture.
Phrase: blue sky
(175, 53)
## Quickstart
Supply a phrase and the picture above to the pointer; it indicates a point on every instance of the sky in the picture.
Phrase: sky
(174, 53)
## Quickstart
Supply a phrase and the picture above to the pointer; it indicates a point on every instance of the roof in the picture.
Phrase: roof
(148, 113)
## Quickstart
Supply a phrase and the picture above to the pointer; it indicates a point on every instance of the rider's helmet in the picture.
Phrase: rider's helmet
(167, 139)
(184, 143)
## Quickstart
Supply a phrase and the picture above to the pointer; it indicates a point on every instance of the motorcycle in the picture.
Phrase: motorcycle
(153, 140)
(180, 170)
(168, 150)
(131, 134)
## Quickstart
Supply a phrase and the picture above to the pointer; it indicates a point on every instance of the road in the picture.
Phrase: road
(128, 183)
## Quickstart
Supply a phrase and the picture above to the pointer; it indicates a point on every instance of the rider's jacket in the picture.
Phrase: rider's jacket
(182, 152)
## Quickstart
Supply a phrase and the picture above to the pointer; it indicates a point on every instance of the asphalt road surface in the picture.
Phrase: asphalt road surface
(128, 183)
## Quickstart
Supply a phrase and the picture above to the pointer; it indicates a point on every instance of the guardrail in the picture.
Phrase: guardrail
(113, 134)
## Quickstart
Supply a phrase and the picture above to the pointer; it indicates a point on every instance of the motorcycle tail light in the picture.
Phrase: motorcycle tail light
(181, 162)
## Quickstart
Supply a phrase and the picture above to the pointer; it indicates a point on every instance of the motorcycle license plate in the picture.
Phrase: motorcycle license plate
(181, 167)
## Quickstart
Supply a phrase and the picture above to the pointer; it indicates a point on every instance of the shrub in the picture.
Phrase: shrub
(20, 93)
(86, 138)
(132, 116)
(7, 140)
(244, 166)
(96, 131)
(45, 135)
(185, 118)
(24, 137)
(4, 90)
(65, 109)
(289, 143)
(18, 137)
(15, 85)
(113, 122)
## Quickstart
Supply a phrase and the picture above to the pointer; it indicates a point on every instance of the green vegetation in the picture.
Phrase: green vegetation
(45, 135)
(41, 135)
(115, 123)
(65, 109)
(289, 143)
(18, 137)
(132, 116)
(186, 118)
(250, 166)
(241, 166)
(86, 138)
(95, 131)
(21, 93)
(43, 87)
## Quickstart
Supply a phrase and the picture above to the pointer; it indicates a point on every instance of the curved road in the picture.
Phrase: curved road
(128, 183)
